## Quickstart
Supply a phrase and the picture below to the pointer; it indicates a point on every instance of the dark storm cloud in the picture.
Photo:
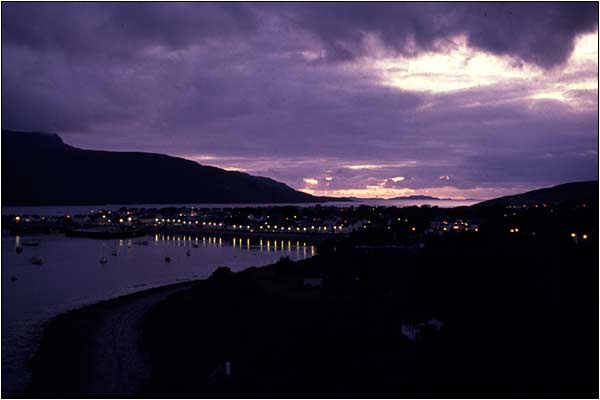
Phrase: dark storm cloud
(541, 33)
(283, 90)
(120, 29)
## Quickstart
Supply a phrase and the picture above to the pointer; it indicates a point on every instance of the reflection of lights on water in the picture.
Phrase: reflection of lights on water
(17, 241)
(277, 245)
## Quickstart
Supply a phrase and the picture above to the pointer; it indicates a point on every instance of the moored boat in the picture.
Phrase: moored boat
(37, 260)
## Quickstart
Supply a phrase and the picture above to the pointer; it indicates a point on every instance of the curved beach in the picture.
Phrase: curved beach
(96, 350)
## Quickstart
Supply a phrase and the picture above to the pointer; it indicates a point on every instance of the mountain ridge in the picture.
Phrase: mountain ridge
(572, 191)
(40, 169)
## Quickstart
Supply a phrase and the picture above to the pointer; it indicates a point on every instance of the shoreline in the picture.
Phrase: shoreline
(68, 335)
(308, 238)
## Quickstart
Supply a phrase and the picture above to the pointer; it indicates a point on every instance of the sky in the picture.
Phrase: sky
(462, 100)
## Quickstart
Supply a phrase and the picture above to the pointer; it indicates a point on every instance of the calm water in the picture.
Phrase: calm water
(72, 276)
(73, 210)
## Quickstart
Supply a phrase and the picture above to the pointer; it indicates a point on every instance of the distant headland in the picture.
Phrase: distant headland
(40, 169)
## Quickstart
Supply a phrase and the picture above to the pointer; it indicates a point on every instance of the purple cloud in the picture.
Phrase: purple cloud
(492, 96)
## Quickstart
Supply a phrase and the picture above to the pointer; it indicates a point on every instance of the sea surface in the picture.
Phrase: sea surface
(73, 210)
(72, 276)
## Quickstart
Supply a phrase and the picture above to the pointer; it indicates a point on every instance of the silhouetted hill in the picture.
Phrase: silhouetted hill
(39, 169)
(417, 197)
(575, 191)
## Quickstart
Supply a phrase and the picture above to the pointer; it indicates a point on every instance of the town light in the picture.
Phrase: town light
(573, 234)
(585, 236)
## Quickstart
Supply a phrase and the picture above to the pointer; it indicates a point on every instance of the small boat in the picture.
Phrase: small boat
(19, 249)
(30, 242)
(114, 253)
(195, 245)
(167, 259)
(188, 252)
(37, 260)
(141, 242)
(103, 259)
(13, 278)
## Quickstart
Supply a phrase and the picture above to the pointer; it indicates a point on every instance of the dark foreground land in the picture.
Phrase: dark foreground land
(512, 327)
(511, 314)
